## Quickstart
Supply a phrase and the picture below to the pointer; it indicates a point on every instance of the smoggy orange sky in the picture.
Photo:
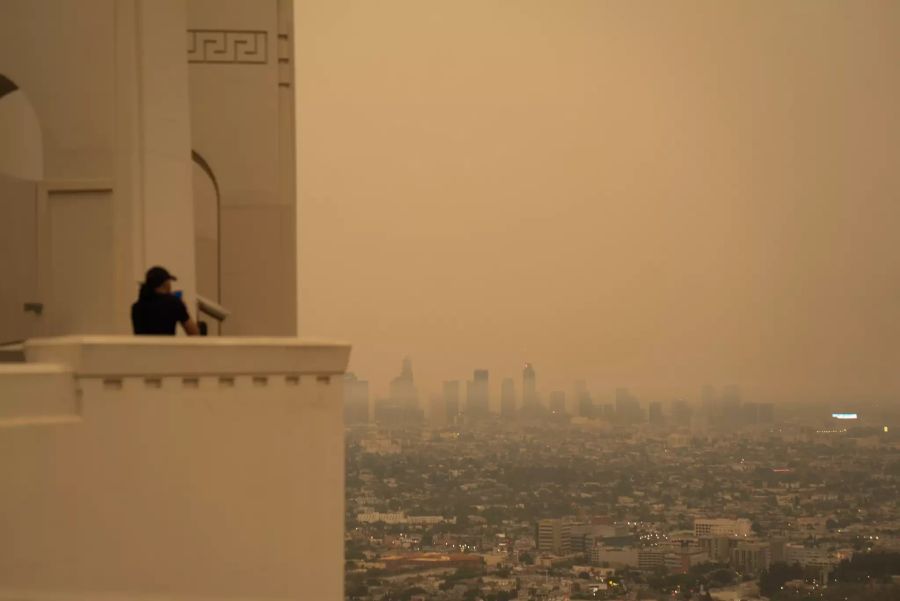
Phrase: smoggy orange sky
(646, 194)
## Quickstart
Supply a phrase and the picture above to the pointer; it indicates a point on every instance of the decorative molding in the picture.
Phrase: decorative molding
(228, 46)
(285, 69)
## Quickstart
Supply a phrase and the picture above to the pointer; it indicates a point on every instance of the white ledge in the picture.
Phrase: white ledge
(123, 356)
(33, 394)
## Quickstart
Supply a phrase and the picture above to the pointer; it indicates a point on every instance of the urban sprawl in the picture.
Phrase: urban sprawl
(718, 498)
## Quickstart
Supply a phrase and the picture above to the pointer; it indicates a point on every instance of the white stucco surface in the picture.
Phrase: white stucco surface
(189, 468)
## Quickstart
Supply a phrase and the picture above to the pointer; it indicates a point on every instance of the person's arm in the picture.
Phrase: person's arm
(190, 327)
(184, 318)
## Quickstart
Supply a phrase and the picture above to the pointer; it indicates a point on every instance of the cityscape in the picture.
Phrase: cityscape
(557, 497)
(641, 258)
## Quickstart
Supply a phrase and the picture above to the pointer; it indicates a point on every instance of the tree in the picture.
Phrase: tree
(771, 580)
(408, 593)
(722, 577)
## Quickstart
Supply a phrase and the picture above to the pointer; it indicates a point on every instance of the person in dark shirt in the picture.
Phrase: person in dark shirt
(157, 310)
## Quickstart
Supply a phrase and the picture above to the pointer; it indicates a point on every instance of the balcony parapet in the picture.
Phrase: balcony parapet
(189, 467)
(36, 394)
(48, 386)
(124, 356)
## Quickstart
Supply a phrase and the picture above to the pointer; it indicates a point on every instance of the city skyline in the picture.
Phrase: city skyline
(505, 399)
(630, 194)
(492, 385)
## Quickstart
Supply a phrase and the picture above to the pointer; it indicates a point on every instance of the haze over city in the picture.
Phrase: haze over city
(456, 300)
(653, 195)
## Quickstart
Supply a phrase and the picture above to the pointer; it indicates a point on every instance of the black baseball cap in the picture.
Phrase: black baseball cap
(157, 276)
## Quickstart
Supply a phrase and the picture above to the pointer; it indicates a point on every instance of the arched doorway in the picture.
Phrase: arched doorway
(206, 232)
(21, 145)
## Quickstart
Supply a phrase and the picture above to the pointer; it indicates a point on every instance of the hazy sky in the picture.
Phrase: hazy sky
(645, 194)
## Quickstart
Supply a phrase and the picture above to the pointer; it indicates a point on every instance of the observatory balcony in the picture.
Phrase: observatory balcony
(180, 467)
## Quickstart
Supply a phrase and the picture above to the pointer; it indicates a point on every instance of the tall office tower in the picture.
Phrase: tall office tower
(766, 413)
(403, 391)
(708, 400)
(451, 401)
(730, 405)
(529, 390)
(558, 402)
(554, 536)
(655, 413)
(402, 404)
(628, 409)
(356, 400)
(478, 394)
(749, 414)
(584, 405)
(508, 398)
(437, 411)
(681, 413)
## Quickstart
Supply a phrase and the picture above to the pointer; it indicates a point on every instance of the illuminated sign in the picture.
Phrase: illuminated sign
(844, 416)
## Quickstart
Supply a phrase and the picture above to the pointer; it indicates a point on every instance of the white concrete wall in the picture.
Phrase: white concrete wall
(107, 81)
(215, 472)
(242, 125)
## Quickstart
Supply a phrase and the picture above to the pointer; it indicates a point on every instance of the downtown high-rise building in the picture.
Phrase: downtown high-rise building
(681, 413)
(450, 396)
(478, 394)
(403, 391)
(402, 403)
(584, 404)
(356, 399)
(730, 406)
(508, 398)
(628, 408)
(530, 404)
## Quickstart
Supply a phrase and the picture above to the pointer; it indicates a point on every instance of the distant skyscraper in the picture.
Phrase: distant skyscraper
(529, 390)
(451, 401)
(403, 387)
(628, 409)
(478, 394)
(655, 413)
(766, 413)
(681, 413)
(356, 400)
(558, 402)
(508, 398)
(749, 414)
(402, 405)
(583, 402)
(730, 403)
